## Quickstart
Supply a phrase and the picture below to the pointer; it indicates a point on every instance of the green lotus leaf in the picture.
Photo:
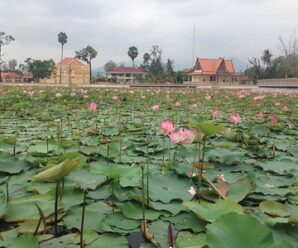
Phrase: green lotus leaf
(57, 172)
(189, 240)
(133, 210)
(159, 230)
(187, 221)
(118, 220)
(212, 211)
(25, 240)
(109, 240)
(11, 165)
(208, 128)
(234, 230)
(229, 134)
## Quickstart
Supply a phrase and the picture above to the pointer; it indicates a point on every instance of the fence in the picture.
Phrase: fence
(279, 83)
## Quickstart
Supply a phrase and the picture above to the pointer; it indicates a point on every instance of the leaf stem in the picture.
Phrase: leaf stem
(56, 208)
(83, 220)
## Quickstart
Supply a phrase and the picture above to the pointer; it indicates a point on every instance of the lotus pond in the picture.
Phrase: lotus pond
(95, 168)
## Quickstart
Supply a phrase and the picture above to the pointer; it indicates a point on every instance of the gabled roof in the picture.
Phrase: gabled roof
(212, 66)
(10, 74)
(74, 61)
(131, 70)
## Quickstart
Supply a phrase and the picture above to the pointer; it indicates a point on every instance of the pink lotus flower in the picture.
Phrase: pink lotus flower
(260, 115)
(235, 118)
(259, 97)
(182, 136)
(93, 106)
(58, 94)
(285, 108)
(177, 104)
(155, 107)
(167, 126)
(273, 119)
(215, 114)
(192, 191)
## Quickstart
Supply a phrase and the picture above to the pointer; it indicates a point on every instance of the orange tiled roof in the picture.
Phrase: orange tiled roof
(10, 74)
(68, 61)
(212, 66)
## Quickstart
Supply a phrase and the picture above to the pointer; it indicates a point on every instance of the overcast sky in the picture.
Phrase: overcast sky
(224, 28)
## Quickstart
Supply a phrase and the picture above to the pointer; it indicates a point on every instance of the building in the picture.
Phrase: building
(73, 71)
(16, 77)
(127, 74)
(212, 71)
(27, 77)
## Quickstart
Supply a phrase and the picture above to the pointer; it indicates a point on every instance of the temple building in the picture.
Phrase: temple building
(212, 71)
(73, 71)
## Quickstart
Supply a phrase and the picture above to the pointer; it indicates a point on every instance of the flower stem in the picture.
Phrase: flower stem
(83, 220)
(147, 175)
(143, 194)
(7, 192)
(200, 176)
(56, 208)
(163, 154)
(169, 145)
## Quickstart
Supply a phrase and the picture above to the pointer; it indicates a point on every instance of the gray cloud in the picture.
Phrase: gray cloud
(229, 28)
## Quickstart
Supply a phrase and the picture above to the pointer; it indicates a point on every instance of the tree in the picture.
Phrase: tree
(4, 40)
(290, 46)
(87, 54)
(266, 58)
(156, 67)
(40, 68)
(146, 63)
(62, 39)
(256, 68)
(23, 67)
(169, 67)
(4, 67)
(133, 53)
(12, 64)
(109, 66)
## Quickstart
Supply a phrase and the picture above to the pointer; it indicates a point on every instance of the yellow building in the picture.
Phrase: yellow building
(212, 71)
(73, 71)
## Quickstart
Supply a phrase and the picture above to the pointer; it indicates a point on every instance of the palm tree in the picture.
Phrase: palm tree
(133, 53)
(266, 58)
(87, 54)
(146, 57)
(62, 38)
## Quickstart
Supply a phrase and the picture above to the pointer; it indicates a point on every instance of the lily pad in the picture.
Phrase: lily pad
(274, 209)
(25, 241)
(11, 165)
(234, 230)
(168, 187)
(189, 240)
(109, 240)
(212, 211)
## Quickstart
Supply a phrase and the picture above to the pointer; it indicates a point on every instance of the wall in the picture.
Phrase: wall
(71, 74)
